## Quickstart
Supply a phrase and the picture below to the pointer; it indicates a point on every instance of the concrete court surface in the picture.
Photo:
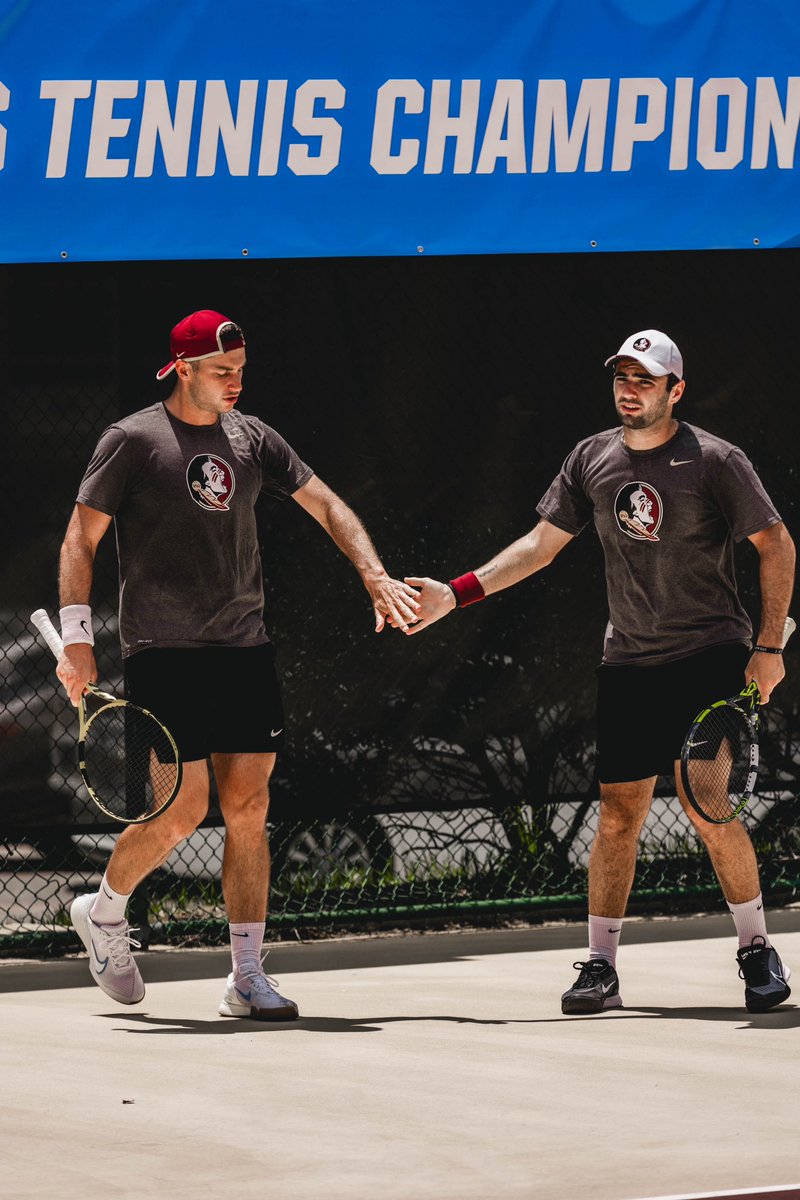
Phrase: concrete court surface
(424, 1065)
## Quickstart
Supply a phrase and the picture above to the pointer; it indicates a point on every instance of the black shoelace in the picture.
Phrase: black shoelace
(754, 965)
(590, 972)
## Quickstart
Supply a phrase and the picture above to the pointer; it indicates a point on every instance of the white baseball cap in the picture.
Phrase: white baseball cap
(657, 353)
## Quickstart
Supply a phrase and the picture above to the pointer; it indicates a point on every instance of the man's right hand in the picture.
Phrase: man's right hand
(76, 668)
(435, 599)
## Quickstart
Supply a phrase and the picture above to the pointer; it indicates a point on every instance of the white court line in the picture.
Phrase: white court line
(782, 1191)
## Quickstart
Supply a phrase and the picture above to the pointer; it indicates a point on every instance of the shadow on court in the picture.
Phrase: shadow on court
(180, 1025)
(785, 1017)
(781, 1018)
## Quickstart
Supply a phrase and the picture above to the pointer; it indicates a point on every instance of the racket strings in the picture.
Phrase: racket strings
(130, 762)
(720, 764)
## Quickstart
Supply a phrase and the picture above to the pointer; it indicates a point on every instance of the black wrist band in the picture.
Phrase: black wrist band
(767, 649)
(455, 593)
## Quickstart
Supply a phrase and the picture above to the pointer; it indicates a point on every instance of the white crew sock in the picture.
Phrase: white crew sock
(246, 942)
(749, 920)
(109, 906)
(604, 937)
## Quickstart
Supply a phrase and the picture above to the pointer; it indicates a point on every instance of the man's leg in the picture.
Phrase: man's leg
(730, 850)
(734, 861)
(99, 918)
(142, 848)
(612, 864)
(243, 782)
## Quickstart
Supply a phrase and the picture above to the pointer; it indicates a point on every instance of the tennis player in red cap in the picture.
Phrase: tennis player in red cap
(180, 481)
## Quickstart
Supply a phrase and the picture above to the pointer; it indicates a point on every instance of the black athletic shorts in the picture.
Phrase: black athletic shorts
(213, 699)
(644, 713)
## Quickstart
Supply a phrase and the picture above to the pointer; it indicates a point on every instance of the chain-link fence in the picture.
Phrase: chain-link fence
(441, 776)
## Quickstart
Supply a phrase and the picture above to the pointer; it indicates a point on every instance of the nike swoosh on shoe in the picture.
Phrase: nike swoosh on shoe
(100, 963)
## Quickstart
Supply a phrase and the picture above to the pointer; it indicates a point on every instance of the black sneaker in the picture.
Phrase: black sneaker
(766, 978)
(596, 988)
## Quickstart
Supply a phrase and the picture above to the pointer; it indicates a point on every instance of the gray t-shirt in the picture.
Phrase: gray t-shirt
(667, 519)
(182, 498)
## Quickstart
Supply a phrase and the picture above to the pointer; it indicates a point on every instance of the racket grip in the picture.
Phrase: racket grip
(48, 631)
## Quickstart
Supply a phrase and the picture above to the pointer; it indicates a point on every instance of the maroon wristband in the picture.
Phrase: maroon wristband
(468, 589)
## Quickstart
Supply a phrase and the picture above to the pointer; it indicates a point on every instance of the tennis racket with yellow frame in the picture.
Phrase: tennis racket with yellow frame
(128, 760)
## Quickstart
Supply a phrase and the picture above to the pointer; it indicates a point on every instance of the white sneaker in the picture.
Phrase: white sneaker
(109, 950)
(256, 995)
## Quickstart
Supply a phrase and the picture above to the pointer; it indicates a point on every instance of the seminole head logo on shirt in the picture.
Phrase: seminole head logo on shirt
(638, 511)
(211, 482)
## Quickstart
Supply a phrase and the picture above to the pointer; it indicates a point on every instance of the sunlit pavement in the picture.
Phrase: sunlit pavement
(423, 1065)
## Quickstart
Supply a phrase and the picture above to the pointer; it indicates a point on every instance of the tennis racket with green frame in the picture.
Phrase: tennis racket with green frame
(719, 759)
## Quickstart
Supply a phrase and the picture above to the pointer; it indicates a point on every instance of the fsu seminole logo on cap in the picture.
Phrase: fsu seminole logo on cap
(638, 511)
(211, 482)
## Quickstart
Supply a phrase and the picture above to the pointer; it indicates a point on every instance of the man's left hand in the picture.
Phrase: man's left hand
(767, 670)
(393, 599)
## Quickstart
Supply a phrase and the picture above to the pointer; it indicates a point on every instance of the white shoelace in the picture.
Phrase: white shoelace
(118, 946)
(259, 977)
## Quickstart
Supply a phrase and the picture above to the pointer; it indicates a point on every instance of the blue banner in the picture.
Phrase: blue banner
(281, 128)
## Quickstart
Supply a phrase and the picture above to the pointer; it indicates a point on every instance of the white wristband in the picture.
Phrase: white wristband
(76, 624)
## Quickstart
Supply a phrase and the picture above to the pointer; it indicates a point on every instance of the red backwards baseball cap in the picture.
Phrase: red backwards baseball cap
(201, 335)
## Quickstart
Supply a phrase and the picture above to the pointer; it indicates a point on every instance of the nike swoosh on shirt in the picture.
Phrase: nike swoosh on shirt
(275, 732)
(680, 462)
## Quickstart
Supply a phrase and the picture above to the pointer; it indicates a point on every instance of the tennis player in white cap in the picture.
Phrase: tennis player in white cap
(668, 501)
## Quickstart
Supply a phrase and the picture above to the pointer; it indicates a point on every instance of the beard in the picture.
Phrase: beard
(643, 420)
(201, 398)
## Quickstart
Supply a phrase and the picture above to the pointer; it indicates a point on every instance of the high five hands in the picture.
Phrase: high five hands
(434, 600)
(393, 602)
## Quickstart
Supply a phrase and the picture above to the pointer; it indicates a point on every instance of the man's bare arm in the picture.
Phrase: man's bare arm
(522, 558)
(77, 667)
(776, 577)
(76, 563)
(390, 597)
